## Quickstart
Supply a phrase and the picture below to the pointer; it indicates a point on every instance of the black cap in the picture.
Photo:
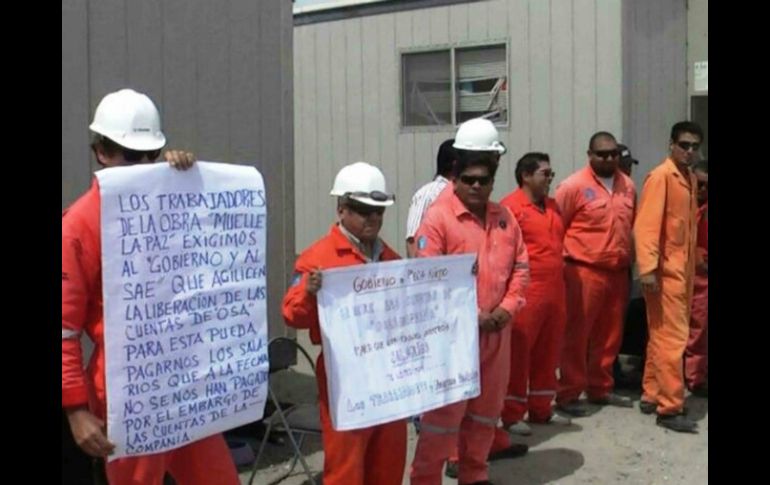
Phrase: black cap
(625, 155)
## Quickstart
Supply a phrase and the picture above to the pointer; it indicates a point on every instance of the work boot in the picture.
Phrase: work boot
(701, 390)
(677, 422)
(451, 468)
(514, 451)
(613, 399)
(520, 428)
(574, 408)
(558, 419)
(647, 407)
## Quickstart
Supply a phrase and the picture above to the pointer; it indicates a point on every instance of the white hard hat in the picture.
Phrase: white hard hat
(130, 119)
(479, 135)
(364, 183)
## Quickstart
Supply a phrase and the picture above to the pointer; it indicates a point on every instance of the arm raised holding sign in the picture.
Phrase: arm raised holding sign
(127, 132)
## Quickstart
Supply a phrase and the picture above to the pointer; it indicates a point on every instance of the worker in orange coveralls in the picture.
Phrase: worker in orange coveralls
(127, 131)
(468, 222)
(374, 455)
(696, 355)
(537, 332)
(665, 233)
(597, 207)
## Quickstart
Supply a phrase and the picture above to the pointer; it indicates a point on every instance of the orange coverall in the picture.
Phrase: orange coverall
(203, 462)
(696, 355)
(372, 456)
(537, 332)
(665, 234)
(503, 273)
(597, 252)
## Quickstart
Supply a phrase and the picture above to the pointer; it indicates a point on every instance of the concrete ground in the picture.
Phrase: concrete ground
(611, 446)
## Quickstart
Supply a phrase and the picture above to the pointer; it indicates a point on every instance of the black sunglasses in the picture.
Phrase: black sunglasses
(137, 155)
(548, 173)
(606, 153)
(365, 210)
(686, 145)
(375, 195)
(470, 180)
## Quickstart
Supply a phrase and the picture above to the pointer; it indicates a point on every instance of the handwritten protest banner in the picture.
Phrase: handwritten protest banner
(184, 282)
(400, 338)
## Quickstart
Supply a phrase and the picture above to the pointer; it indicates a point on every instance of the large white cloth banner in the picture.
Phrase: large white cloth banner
(184, 282)
(399, 338)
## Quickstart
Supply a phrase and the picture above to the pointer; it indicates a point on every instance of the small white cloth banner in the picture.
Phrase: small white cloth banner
(399, 338)
(184, 282)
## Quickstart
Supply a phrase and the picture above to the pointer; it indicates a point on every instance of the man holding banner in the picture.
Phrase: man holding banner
(467, 222)
(377, 454)
(127, 131)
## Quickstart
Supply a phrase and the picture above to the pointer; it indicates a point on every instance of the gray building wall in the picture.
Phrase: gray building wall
(654, 77)
(221, 75)
(565, 83)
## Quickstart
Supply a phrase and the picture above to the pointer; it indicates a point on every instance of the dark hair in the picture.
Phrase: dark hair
(600, 134)
(108, 146)
(702, 166)
(468, 158)
(686, 127)
(446, 157)
(528, 164)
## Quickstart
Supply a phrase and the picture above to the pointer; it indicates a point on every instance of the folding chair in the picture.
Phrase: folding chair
(296, 421)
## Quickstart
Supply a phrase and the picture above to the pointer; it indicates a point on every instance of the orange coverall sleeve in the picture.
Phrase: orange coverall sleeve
(649, 223)
(567, 201)
(76, 287)
(435, 240)
(513, 301)
(300, 308)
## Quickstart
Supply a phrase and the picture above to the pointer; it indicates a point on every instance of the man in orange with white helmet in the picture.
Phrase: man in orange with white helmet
(466, 221)
(374, 455)
(127, 131)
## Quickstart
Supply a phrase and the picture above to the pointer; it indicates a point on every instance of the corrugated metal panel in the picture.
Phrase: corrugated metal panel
(540, 73)
(405, 141)
(145, 47)
(654, 72)
(562, 138)
(76, 172)
(553, 69)
(180, 67)
(518, 87)
(324, 155)
(222, 79)
(609, 67)
(585, 87)
(354, 93)
(388, 89)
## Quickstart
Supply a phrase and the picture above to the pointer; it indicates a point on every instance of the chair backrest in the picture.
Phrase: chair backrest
(282, 356)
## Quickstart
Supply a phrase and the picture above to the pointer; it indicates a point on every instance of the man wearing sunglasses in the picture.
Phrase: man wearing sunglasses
(468, 222)
(370, 455)
(127, 131)
(538, 330)
(597, 208)
(696, 354)
(665, 233)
